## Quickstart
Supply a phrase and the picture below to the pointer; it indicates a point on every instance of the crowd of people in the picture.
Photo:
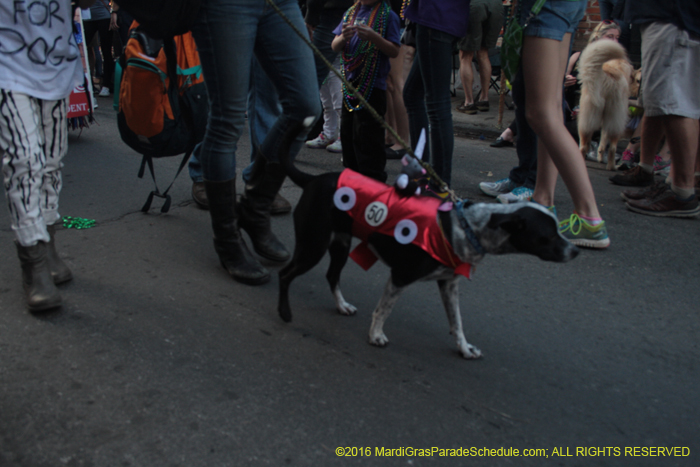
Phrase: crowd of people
(276, 82)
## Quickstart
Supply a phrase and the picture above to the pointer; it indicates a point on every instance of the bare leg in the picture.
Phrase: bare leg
(682, 137)
(482, 57)
(466, 74)
(544, 64)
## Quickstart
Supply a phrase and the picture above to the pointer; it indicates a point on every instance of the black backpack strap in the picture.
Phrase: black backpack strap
(148, 161)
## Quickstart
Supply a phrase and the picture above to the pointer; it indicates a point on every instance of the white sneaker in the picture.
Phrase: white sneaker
(104, 92)
(94, 102)
(335, 147)
(518, 194)
(320, 142)
(499, 187)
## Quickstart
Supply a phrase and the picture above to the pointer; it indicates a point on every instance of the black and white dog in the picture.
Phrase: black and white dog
(322, 222)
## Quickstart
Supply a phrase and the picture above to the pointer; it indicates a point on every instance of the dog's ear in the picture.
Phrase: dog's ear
(511, 223)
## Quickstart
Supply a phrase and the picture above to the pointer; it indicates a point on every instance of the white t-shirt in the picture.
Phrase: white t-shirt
(38, 52)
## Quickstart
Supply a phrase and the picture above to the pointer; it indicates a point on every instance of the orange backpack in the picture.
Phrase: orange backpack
(157, 118)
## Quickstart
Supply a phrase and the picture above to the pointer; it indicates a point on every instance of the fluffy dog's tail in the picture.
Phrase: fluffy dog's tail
(297, 176)
(602, 57)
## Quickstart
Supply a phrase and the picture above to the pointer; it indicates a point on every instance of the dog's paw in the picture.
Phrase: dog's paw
(380, 339)
(345, 308)
(470, 352)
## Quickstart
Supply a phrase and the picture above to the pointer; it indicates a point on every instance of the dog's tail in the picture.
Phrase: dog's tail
(601, 57)
(297, 176)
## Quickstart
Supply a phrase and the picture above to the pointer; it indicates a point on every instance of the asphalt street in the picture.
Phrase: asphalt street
(158, 358)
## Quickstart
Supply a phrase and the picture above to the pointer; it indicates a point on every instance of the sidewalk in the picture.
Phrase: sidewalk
(481, 123)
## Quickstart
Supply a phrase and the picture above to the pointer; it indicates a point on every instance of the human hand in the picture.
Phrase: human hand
(365, 32)
(348, 31)
(113, 22)
(569, 80)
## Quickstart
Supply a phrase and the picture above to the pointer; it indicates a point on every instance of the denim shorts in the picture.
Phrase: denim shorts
(556, 18)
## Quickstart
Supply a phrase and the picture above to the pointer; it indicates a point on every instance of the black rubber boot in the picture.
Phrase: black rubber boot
(59, 271)
(235, 257)
(42, 294)
(254, 209)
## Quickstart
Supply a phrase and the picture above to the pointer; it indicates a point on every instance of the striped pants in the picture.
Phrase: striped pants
(33, 141)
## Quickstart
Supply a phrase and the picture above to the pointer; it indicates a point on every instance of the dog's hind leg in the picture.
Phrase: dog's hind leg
(382, 312)
(303, 260)
(604, 140)
(450, 298)
(611, 151)
(338, 250)
(584, 143)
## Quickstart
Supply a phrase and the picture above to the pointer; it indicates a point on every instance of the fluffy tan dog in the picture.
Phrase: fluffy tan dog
(605, 75)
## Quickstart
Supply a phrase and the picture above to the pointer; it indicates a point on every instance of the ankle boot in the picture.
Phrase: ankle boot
(230, 246)
(254, 209)
(42, 293)
(59, 271)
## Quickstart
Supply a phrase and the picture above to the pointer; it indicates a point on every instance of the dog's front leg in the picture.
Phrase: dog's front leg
(449, 292)
(382, 312)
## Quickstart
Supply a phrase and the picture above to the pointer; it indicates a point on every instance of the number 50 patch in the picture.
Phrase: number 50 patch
(376, 213)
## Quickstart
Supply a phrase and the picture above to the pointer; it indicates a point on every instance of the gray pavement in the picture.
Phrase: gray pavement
(158, 358)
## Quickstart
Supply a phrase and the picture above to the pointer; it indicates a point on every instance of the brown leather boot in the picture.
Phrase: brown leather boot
(42, 294)
(59, 271)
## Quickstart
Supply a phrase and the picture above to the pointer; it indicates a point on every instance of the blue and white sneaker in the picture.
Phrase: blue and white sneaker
(518, 194)
(504, 185)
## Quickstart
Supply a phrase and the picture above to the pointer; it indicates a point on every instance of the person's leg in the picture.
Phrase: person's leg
(346, 134)
(29, 127)
(525, 173)
(369, 136)
(414, 99)
(107, 56)
(434, 64)
(289, 63)
(482, 57)
(322, 38)
(544, 64)
(225, 30)
(466, 75)
(682, 137)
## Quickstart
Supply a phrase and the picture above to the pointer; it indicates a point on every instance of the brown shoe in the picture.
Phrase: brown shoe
(280, 205)
(653, 191)
(199, 195)
(483, 106)
(636, 176)
(666, 204)
(468, 109)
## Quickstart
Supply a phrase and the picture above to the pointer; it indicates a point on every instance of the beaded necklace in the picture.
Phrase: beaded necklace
(404, 4)
(365, 56)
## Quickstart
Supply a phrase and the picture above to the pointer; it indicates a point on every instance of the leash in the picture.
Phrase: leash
(428, 168)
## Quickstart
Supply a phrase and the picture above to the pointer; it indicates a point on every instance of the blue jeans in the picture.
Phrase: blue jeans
(426, 94)
(228, 34)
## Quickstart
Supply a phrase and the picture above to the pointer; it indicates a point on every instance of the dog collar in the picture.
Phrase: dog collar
(471, 236)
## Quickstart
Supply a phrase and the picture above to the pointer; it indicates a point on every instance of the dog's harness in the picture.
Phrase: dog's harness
(377, 208)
